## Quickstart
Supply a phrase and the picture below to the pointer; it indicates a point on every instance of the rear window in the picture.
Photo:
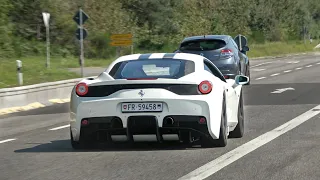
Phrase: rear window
(202, 45)
(152, 68)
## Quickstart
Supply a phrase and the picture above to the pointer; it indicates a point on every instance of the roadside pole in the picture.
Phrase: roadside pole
(46, 19)
(132, 48)
(81, 43)
(19, 72)
(81, 34)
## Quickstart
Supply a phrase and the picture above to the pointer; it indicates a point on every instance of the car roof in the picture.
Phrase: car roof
(187, 56)
(221, 37)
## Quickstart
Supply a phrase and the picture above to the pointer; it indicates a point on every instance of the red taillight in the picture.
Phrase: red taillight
(226, 52)
(84, 122)
(205, 87)
(141, 78)
(202, 120)
(82, 89)
(226, 77)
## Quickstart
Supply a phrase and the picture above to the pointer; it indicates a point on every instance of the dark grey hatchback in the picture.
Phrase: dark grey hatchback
(221, 50)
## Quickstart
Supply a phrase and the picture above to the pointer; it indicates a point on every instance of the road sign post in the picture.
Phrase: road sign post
(81, 33)
(46, 19)
(121, 40)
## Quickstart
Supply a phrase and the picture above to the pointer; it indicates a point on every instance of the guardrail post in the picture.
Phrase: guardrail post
(19, 72)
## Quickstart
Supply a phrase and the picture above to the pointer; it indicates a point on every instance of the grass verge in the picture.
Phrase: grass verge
(280, 48)
(34, 70)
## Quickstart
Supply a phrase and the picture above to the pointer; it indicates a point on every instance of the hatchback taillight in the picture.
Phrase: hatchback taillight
(226, 53)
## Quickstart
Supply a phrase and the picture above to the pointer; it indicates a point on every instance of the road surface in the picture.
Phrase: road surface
(282, 138)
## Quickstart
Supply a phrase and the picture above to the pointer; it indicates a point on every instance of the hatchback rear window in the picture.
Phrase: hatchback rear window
(202, 45)
(152, 68)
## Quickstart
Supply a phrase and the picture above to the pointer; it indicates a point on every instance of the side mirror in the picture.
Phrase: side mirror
(241, 80)
(245, 48)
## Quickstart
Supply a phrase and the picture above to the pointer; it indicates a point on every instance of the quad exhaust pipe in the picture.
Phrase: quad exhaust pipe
(169, 120)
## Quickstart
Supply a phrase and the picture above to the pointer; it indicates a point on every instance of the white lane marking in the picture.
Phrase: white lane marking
(60, 127)
(293, 62)
(318, 63)
(298, 68)
(279, 91)
(232, 156)
(258, 69)
(260, 78)
(276, 74)
(287, 71)
(261, 64)
(309, 66)
(7, 140)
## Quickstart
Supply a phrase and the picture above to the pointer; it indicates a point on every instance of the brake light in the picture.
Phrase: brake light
(226, 76)
(82, 89)
(205, 87)
(226, 52)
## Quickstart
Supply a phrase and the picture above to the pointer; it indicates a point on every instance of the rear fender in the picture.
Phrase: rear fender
(238, 90)
(215, 102)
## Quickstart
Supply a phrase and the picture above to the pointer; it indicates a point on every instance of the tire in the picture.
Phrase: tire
(239, 130)
(248, 74)
(223, 139)
(75, 144)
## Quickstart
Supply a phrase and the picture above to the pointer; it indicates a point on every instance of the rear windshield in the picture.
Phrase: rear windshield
(202, 45)
(152, 68)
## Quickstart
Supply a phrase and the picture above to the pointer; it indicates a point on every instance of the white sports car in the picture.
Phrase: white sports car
(158, 97)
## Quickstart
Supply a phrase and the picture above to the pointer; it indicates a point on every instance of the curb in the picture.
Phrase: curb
(35, 105)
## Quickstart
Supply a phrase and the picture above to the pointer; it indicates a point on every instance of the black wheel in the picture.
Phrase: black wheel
(223, 139)
(248, 74)
(75, 144)
(239, 130)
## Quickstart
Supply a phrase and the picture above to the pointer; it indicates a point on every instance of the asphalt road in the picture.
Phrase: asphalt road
(30, 150)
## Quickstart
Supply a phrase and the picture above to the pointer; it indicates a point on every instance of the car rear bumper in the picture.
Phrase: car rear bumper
(106, 115)
(144, 128)
(227, 67)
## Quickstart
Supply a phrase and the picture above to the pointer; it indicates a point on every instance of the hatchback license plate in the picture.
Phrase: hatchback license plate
(141, 107)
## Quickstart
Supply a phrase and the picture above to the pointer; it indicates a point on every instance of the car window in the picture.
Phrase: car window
(202, 45)
(152, 68)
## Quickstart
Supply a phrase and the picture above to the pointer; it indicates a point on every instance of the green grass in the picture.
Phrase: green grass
(34, 70)
(280, 48)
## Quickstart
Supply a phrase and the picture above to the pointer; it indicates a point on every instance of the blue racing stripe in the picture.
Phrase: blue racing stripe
(144, 56)
(169, 55)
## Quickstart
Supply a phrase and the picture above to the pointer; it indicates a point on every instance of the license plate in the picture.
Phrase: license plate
(141, 107)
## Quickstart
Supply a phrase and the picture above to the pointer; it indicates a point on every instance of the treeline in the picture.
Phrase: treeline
(155, 24)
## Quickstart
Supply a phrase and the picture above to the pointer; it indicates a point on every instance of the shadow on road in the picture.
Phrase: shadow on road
(65, 146)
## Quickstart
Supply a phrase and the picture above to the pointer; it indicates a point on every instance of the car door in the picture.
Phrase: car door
(231, 96)
(241, 57)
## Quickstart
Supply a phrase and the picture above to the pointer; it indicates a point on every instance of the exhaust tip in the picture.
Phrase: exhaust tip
(116, 123)
(169, 120)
